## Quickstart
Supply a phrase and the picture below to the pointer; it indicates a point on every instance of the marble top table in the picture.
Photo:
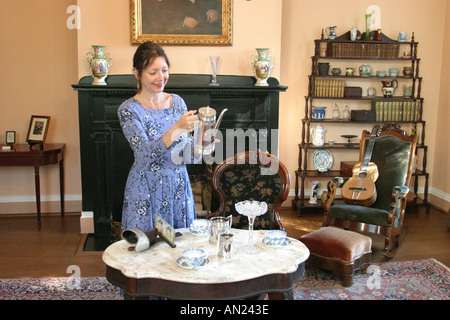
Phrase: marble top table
(155, 272)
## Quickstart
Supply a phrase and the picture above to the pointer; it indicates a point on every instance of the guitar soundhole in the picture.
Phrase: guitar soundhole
(362, 174)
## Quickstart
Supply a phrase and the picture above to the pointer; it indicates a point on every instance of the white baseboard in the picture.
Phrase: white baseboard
(44, 198)
(49, 204)
(438, 193)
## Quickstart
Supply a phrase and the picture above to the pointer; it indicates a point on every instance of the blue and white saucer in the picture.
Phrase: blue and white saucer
(184, 263)
(267, 241)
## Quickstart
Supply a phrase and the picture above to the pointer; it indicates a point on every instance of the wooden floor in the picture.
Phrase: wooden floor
(26, 251)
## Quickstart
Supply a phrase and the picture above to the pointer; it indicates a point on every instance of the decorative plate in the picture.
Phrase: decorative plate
(322, 160)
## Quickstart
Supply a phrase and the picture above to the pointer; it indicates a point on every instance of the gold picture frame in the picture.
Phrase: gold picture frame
(212, 26)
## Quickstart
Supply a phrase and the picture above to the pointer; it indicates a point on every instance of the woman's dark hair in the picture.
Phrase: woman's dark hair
(146, 53)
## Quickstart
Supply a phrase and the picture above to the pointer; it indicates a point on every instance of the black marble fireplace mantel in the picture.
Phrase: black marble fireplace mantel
(105, 153)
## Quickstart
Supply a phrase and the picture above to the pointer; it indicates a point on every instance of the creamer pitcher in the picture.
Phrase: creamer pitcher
(218, 226)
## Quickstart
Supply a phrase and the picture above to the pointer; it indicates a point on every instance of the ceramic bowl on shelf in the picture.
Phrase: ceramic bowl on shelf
(393, 72)
(365, 70)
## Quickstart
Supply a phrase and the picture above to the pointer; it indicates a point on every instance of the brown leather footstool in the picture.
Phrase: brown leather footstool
(338, 250)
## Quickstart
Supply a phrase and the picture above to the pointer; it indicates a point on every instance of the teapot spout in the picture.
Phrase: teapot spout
(219, 120)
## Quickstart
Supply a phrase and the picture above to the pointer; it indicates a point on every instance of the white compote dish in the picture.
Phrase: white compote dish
(251, 209)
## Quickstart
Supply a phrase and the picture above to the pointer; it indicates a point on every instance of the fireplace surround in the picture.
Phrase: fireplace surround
(105, 153)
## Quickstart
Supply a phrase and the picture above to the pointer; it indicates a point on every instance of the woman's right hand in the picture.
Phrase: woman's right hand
(187, 121)
(185, 124)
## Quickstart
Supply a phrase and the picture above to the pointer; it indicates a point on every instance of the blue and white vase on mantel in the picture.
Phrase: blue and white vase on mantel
(261, 66)
(99, 64)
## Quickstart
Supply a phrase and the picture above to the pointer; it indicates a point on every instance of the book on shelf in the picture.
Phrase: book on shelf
(396, 110)
(329, 88)
(363, 50)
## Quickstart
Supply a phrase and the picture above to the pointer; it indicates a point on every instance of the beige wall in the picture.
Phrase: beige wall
(441, 163)
(38, 64)
(113, 30)
(45, 58)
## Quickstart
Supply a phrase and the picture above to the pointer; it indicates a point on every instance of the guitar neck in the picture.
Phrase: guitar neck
(368, 153)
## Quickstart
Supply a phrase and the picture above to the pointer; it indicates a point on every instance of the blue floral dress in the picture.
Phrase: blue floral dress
(158, 180)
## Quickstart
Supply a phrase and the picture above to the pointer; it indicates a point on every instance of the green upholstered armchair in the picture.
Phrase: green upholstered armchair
(252, 175)
(393, 153)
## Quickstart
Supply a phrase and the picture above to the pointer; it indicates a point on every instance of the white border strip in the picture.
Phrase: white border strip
(67, 197)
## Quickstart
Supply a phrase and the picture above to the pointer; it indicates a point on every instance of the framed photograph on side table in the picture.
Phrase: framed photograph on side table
(10, 137)
(37, 132)
(10, 140)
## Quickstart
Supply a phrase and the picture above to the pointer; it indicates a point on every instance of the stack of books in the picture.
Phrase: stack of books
(329, 88)
(396, 110)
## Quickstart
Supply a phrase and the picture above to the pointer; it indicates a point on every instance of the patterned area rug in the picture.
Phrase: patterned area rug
(409, 280)
(93, 288)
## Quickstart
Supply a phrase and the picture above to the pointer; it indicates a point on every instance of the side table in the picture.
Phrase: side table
(21, 155)
(154, 272)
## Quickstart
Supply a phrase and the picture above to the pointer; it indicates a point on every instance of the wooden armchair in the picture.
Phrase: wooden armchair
(252, 175)
(393, 153)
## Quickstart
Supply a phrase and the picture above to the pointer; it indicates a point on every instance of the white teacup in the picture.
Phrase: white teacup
(194, 257)
(276, 237)
(199, 226)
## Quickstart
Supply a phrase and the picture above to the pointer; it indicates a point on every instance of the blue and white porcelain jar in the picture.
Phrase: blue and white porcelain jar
(318, 113)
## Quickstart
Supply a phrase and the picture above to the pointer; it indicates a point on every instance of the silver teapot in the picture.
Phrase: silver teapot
(206, 130)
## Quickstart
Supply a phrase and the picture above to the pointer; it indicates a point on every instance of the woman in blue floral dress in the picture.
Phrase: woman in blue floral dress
(157, 126)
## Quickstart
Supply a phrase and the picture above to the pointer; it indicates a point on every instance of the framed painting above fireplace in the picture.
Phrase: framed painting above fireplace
(182, 22)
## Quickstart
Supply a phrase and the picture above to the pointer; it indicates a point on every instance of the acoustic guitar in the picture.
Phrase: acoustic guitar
(360, 188)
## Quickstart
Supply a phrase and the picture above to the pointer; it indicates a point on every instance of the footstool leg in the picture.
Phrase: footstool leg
(347, 280)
